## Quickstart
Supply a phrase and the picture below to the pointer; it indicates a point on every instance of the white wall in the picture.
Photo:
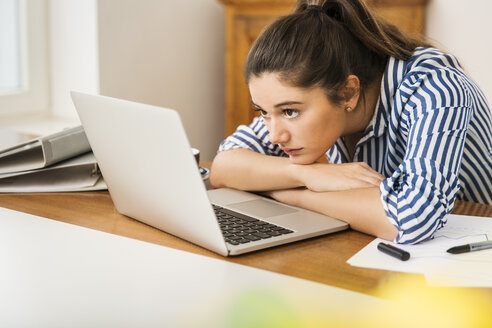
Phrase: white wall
(167, 53)
(463, 28)
(74, 57)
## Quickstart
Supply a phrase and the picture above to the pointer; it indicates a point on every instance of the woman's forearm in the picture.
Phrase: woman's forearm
(247, 170)
(361, 208)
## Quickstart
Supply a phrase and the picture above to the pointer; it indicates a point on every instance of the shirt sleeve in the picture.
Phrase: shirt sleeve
(420, 194)
(253, 137)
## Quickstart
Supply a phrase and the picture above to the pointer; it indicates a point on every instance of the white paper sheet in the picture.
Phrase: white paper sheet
(430, 257)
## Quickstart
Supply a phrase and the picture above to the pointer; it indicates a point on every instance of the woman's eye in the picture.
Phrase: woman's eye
(291, 113)
(262, 112)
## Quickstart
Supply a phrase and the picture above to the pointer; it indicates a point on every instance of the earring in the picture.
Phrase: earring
(349, 109)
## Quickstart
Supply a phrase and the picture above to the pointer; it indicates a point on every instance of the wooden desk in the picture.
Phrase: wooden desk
(321, 259)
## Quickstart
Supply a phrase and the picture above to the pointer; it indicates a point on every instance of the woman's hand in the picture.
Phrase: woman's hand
(335, 177)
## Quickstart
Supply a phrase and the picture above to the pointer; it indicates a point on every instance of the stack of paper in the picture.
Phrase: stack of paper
(57, 162)
(473, 269)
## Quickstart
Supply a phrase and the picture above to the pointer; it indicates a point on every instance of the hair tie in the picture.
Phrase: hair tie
(316, 8)
(332, 9)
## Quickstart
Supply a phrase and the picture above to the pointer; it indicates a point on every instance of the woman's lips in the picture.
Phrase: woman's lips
(291, 151)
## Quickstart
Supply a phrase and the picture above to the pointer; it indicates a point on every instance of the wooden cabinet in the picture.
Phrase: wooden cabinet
(244, 20)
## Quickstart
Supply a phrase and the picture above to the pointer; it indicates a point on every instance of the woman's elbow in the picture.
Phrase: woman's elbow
(388, 232)
(215, 180)
(217, 177)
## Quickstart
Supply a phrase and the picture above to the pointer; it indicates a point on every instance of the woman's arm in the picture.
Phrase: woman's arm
(247, 170)
(361, 208)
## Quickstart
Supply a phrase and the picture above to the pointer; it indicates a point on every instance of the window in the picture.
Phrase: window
(9, 43)
(23, 57)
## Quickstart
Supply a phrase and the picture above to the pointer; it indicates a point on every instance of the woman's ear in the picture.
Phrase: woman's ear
(350, 91)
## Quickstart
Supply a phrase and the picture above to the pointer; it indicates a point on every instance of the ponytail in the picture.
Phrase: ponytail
(373, 32)
(324, 41)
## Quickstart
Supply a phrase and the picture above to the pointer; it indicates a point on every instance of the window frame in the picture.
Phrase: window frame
(33, 95)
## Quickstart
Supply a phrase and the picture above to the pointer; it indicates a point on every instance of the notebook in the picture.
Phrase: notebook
(152, 176)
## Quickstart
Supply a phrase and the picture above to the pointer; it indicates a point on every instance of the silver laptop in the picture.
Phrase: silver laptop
(152, 176)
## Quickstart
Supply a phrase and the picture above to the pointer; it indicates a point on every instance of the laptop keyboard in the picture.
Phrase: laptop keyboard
(241, 229)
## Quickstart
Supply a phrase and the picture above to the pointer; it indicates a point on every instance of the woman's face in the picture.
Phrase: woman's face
(303, 122)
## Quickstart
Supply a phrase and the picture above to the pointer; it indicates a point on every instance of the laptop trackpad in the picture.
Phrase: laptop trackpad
(261, 208)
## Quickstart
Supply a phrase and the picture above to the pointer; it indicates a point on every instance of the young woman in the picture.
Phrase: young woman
(404, 129)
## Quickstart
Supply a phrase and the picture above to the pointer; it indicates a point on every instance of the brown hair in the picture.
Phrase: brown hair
(325, 41)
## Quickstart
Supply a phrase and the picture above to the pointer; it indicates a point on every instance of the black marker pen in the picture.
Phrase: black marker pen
(394, 251)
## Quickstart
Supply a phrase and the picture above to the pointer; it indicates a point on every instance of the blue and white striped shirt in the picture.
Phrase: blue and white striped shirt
(430, 136)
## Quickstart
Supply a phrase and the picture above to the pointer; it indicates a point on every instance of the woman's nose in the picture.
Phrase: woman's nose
(278, 134)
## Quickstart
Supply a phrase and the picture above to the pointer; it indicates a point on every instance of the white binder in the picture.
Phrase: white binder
(58, 162)
(44, 151)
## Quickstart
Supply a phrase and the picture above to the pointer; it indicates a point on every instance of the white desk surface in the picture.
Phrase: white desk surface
(55, 274)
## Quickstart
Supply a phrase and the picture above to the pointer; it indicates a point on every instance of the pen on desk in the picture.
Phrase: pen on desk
(470, 247)
(394, 251)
